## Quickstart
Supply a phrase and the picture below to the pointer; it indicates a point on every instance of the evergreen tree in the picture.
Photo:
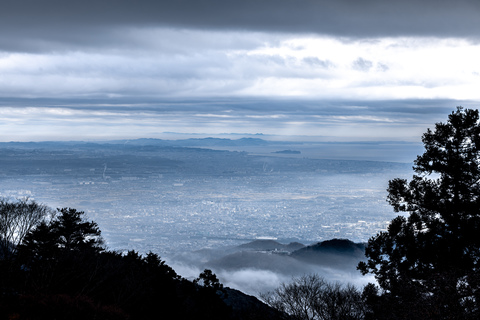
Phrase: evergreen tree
(68, 232)
(75, 233)
(62, 271)
(209, 280)
(427, 262)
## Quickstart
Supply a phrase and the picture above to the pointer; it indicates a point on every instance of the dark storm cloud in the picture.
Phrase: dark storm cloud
(31, 24)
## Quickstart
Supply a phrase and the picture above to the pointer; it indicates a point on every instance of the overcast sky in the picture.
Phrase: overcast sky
(332, 70)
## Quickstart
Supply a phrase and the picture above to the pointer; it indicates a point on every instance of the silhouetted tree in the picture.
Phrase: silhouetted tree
(17, 219)
(427, 262)
(209, 280)
(57, 253)
(63, 271)
(69, 231)
(311, 297)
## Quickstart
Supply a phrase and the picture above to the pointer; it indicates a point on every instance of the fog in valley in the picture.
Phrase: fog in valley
(248, 209)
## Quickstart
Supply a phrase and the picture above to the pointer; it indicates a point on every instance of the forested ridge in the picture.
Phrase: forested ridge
(62, 270)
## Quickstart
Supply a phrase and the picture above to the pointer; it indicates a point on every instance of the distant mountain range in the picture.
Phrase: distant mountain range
(204, 142)
(191, 142)
(348, 150)
(343, 247)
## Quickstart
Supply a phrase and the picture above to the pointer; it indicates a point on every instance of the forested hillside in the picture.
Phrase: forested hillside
(60, 269)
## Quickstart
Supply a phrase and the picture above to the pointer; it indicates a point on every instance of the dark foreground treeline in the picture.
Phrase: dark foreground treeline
(60, 269)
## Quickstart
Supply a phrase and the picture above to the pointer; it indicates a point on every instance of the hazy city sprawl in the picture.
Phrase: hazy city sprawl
(152, 196)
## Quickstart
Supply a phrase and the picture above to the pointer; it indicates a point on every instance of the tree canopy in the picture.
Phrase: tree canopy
(68, 232)
(428, 259)
(62, 270)
(17, 219)
(311, 297)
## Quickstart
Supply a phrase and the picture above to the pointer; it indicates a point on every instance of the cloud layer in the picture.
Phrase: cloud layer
(32, 23)
(311, 67)
(326, 120)
(192, 63)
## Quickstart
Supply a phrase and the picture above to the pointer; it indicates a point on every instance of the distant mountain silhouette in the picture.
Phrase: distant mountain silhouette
(197, 142)
(191, 142)
(224, 142)
(335, 253)
(337, 246)
(339, 254)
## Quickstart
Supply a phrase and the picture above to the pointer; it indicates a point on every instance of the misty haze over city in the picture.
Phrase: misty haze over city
(193, 201)
(191, 128)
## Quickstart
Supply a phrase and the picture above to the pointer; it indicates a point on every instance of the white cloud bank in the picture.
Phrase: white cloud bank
(212, 82)
(172, 63)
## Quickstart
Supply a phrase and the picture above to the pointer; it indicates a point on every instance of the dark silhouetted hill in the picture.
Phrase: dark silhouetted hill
(63, 271)
(246, 307)
(334, 253)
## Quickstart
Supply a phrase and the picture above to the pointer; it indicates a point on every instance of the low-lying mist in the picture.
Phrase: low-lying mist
(255, 271)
